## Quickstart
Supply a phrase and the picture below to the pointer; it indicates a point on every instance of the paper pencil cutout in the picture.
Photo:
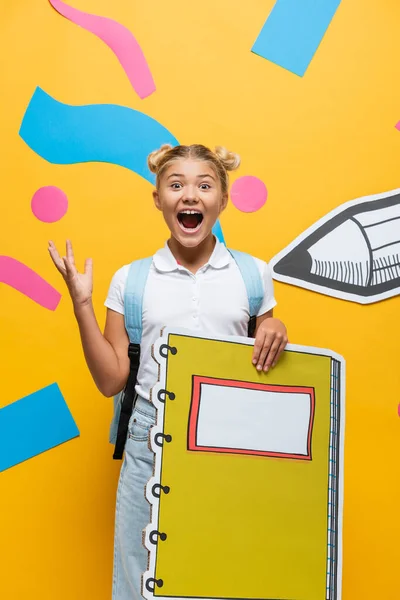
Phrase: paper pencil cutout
(247, 488)
(352, 253)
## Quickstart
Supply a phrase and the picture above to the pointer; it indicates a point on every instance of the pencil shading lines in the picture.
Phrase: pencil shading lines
(352, 253)
(121, 42)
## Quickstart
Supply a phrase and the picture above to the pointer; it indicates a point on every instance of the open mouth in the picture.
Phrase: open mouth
(190, 220)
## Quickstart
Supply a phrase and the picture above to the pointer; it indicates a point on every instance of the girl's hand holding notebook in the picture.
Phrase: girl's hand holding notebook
(270, 342)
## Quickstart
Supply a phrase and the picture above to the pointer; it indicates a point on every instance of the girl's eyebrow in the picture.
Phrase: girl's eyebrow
(206, 175)
(198, 176)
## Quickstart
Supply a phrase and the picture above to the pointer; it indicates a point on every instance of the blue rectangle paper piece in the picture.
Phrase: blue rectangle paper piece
(293, 32)
(33, 425)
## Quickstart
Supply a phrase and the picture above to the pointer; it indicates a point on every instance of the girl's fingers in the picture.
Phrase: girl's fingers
(268, 341)
(70, 269)
(278, 354)
(89, 267)
(273, 350)
(55, 257)
(258, 345)
(70, 252)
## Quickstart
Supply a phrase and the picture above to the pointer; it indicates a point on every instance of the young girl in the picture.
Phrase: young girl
(193, 283)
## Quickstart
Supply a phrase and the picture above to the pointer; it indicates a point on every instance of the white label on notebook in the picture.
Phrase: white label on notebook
(246, 418)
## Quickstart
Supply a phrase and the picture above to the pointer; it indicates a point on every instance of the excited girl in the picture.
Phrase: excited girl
(194, 283)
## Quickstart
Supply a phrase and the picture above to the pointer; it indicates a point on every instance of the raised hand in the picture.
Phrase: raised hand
(80, 285)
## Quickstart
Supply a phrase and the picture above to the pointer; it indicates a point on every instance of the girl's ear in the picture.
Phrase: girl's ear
(224, 202)
(156, 198)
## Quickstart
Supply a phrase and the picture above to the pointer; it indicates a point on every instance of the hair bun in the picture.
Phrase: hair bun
(155, 158)
(230, 160)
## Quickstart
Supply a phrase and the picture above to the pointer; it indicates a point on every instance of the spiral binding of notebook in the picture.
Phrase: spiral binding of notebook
(155, 487)
(333, 501)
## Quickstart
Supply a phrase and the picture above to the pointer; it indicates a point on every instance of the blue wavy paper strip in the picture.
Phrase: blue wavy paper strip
(293, 31)
(67, 134)
(34, 424)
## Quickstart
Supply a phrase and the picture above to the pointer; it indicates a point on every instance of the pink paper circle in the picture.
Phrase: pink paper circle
(248, 193)
(49, 204)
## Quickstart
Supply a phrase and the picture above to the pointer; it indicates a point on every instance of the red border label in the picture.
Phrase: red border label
(199, 380)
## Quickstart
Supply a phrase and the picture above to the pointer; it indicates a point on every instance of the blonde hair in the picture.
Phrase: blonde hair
(221, 160)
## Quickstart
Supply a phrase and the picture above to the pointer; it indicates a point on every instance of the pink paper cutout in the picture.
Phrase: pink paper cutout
(248, 193)
(120, 40)
(398, 126)
(24, 280)
(49, 204)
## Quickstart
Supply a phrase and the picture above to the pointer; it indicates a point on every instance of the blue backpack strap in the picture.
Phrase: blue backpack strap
(133, 299)
(133, 304)
(252, 280)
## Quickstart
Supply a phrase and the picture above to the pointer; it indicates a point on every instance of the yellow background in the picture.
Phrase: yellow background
(252, 526)
(315, 141)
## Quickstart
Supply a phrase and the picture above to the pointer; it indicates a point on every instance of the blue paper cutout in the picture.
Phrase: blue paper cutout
(63, 134)
(293, 32)
(217, 231)
(33, 425)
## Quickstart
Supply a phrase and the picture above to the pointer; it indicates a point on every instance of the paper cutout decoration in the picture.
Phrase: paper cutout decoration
(293, 31)
(352, 253)
(49, 204)
(65, 134)
(398, 126)
(24, 280)
(247, 488)
(120, 40)
(34, 424)
(217, 231)
(213, 399)
(248, 193)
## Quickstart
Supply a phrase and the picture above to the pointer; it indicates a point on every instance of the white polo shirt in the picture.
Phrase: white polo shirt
(214, 301)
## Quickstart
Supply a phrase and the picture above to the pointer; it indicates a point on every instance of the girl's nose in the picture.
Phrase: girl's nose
(189, 194)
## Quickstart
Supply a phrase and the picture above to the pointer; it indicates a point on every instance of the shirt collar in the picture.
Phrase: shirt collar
(165, 261)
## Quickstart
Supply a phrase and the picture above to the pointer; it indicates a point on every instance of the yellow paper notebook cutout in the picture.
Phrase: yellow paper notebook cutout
(247, 490)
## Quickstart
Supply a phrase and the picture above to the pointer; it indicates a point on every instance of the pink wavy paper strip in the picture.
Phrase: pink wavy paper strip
(24, 280)
(120, 40)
